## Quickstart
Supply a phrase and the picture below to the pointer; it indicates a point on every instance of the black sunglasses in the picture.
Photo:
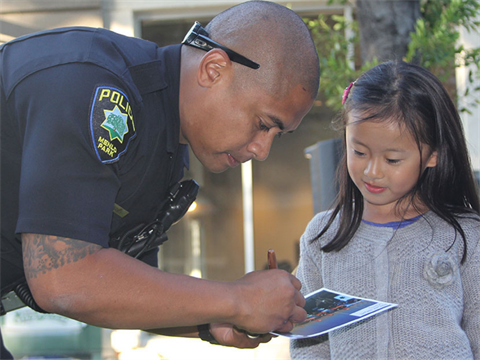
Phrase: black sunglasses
(197, 37)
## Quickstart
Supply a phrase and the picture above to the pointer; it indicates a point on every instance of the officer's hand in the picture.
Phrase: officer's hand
(228, 335)
(269, 300)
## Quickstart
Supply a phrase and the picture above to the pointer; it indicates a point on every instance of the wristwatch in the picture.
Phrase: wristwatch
(205, 334)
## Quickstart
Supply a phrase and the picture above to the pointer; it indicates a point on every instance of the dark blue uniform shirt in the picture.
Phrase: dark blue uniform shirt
(89, 136)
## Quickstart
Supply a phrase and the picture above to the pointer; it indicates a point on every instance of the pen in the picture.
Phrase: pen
(272, 259)
(272, 264)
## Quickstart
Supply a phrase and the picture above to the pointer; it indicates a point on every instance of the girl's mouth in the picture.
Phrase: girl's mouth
(374, 189)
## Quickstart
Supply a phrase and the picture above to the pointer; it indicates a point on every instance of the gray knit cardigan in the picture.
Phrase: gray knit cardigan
(417, 267)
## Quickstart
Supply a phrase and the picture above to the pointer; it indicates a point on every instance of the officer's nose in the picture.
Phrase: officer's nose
(260, 146)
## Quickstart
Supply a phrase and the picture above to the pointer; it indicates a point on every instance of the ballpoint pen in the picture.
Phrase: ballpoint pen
(272, 259)
(272, 264)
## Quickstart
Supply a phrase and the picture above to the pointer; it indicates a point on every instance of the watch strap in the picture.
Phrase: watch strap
(205, 334)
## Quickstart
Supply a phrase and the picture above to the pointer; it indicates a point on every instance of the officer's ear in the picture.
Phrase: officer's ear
(214, 67)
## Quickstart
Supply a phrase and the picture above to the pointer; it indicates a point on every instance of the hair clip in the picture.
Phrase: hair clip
(346, 91)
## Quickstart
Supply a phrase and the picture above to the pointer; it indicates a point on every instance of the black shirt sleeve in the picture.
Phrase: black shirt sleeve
(65, 190)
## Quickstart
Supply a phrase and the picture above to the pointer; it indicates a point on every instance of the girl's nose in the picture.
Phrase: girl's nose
(374, 169)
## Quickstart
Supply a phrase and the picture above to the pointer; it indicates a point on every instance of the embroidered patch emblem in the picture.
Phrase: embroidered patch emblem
(111, 123)
(116, 124)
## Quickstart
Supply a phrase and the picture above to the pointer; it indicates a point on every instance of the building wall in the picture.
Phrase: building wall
(20, 17)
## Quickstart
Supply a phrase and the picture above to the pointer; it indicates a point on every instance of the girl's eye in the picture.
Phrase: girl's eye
(393, 161)
(358, 153)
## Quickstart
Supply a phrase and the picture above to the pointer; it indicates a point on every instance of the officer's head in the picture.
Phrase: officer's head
(230, 110)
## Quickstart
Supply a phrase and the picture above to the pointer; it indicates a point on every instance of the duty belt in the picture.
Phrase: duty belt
(10, 302)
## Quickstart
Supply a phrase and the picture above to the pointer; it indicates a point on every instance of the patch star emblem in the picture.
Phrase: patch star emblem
(111, 123)
(116, 124)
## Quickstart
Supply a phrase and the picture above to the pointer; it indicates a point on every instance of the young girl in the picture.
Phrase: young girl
(405, 227)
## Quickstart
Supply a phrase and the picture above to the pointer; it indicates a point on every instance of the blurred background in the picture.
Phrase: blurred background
(245, 211)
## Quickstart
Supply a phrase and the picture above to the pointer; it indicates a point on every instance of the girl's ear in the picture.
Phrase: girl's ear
(432, 160)
(213, 67)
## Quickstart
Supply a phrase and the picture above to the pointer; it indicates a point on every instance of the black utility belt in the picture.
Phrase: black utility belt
(10, 302)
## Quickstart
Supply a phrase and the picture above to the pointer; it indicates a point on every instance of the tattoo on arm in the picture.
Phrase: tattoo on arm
(42, 253)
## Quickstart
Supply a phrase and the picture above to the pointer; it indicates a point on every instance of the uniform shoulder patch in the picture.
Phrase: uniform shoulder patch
(111, 123)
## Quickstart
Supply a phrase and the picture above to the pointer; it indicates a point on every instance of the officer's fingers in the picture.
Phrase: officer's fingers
(299, 314)
(265, 338)
(300, 299)
(295, 282)
(286, 327)
(246, 341)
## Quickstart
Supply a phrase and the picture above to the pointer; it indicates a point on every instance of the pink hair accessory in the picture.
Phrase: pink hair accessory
(346, 91)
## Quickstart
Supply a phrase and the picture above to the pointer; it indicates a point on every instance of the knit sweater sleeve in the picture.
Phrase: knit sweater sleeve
(471, 289)
(309, 267)
(309, 274)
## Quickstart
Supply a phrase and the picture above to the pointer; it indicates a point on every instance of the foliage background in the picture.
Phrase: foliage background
(433, 44)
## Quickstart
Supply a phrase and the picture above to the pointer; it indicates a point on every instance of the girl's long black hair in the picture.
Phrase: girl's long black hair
(414, 98)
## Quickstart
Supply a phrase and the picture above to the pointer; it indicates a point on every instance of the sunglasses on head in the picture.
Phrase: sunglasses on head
(197, 37)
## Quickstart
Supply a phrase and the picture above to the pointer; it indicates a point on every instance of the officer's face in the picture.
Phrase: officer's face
(238, 126)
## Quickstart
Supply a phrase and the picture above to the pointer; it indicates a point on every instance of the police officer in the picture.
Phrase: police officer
(94, 131)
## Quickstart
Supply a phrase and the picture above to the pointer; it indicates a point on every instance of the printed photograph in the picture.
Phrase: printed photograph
(328, 310)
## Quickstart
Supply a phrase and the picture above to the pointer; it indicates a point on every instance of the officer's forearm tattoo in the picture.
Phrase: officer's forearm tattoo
(42, 253)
